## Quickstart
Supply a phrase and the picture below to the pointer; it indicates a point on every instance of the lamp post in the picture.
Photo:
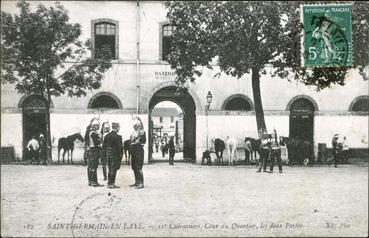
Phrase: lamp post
(209, 99)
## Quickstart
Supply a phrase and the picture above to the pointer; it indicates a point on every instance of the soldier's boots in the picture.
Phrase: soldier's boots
(141, 180)
(280, 169)
(94, 179)
(89, 176)
(104, 172)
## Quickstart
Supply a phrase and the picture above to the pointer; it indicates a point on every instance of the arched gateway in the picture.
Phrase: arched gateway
(187, 104)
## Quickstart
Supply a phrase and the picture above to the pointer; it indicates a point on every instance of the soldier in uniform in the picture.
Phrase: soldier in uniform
(87, 144)
(335, 152)
(172, 150)
(112, 150)
(43, 149)
(105, 129)
(275, 153)
(94, 154)
(264, 152)
(138, 139)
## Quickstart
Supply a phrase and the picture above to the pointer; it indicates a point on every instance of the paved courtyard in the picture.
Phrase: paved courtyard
(185, 200)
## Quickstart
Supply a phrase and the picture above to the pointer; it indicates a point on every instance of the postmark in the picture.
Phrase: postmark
(96, 215)
(327, 39)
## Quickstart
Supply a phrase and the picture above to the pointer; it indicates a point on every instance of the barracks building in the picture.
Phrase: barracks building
(140, 78)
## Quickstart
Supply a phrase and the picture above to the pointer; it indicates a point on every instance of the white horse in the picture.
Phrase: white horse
(232, 149)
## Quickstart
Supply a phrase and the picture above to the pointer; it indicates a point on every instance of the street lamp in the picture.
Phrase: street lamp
(209, 99)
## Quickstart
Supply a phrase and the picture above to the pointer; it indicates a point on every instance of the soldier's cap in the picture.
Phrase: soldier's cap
(336, 135)
(41, 135)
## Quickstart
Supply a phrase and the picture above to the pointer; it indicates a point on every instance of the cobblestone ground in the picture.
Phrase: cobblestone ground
(185, 200)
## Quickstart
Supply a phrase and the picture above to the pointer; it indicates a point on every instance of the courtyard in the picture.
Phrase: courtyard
(185, 200)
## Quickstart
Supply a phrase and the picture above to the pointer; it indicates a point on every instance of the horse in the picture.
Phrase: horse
(67, 144)
(219, 147)
(127, 152)
(300, 151)
(252, 146)
(232, 149)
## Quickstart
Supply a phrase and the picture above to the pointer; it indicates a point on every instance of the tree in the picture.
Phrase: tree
(242, 37)
(34, 48)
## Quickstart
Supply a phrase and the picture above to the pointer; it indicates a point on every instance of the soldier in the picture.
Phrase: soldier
(87, 144)
(33, 148)
(105, 129)
(275, 153)
(335, 151)
(94, 154)
(43, 147)
(138, 139)
(264, 152)
(112, 150)
(172, 150)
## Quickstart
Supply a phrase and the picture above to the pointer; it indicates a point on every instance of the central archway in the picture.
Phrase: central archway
(187, 104)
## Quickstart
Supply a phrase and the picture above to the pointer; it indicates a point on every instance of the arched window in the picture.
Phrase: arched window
(105, 100)
(166, 47)
(105, 37)
(360, 104)
(238, 103)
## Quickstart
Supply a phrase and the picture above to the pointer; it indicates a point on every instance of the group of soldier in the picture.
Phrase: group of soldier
(106, 144)
(166, 145)
(340, 150)
(37, 149)
(270, 150)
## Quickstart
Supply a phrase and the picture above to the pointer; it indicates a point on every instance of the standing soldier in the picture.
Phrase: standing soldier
(335, 151)
(264, 152)
(105, 129)
(43, 148)
(275, 153)
(112, 150)
(138, 139)
(87, 144)
(172, 150)
(33, 147)
(94, 154)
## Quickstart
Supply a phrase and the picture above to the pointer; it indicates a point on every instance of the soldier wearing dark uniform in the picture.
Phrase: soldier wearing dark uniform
(105, 129)
(172, 150)
(87, 144)
(275, 153)
(112, 150)
(264, 152)
(94, 154)
(43, 149)
(335, 150)
(138, 139)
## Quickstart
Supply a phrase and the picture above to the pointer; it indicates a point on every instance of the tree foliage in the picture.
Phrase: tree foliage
(239, 36)
(35, 46)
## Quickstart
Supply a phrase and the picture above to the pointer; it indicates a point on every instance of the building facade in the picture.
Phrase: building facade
(138, 34)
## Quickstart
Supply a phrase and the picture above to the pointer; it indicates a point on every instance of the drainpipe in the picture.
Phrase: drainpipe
(138, 58)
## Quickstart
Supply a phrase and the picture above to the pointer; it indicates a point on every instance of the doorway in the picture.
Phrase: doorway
(185, 125)
(302, 127)
(33, 120)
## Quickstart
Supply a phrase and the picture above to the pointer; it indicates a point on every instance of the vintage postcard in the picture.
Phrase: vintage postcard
(184, 119)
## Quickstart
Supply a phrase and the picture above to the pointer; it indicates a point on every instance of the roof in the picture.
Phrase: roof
(164, 112)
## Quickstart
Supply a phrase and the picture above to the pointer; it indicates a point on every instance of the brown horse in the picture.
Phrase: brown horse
(67, 144)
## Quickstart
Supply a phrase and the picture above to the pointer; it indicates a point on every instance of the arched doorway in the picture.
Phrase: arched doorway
(33, 119)
(188, 107)
(167, 123)
(302, 110)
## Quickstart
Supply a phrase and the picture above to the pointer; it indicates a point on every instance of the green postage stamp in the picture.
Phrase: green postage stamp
(327, 40)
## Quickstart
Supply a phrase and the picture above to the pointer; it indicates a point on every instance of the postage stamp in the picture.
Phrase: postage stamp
(327, 39)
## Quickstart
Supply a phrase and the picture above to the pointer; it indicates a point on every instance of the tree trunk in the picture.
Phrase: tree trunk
(48, 133)
(259, 112)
